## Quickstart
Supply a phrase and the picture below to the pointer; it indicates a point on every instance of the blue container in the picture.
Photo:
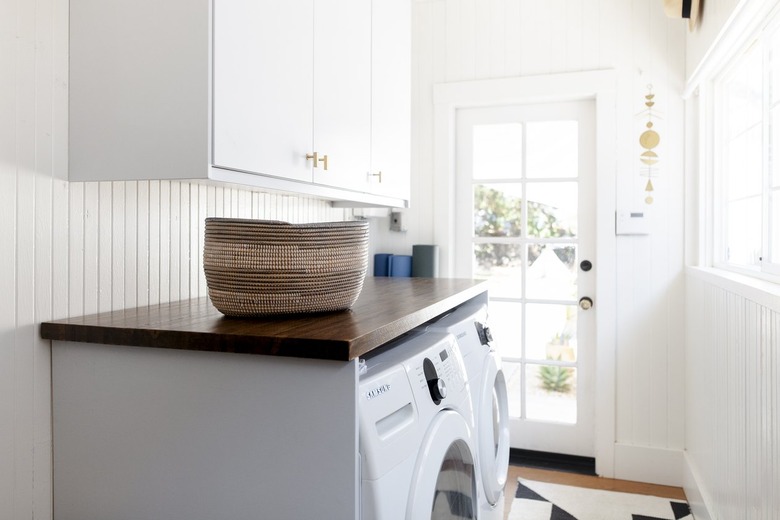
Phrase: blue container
(401, 265)
(382, 264)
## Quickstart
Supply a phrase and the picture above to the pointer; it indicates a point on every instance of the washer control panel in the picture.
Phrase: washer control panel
(441, 371)
(433, 363)
(436, 386)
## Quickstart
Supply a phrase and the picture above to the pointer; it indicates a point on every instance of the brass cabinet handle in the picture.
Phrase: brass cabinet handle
(310, 156)
(377, 175)
(323, 160)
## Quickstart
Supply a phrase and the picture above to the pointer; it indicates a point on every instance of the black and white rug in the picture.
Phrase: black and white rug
(543, 501)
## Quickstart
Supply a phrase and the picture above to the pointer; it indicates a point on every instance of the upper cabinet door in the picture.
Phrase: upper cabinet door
(391, 88)
(342, 92)
(262, 69)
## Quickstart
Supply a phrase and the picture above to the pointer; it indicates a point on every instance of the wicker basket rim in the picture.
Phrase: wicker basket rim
(285, 225)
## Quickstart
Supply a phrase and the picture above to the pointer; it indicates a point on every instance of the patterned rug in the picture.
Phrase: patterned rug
(543, 501)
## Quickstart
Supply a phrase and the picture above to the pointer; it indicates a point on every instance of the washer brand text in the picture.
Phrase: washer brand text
(376, 392)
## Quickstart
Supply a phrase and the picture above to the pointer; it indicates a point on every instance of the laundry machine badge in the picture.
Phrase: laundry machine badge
(376, 392)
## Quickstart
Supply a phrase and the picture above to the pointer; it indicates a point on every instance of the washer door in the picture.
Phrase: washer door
(444, 484)
(493, 429)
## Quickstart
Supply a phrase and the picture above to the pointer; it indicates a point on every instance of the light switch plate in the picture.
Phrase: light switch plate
(397, 221)
(632, 223)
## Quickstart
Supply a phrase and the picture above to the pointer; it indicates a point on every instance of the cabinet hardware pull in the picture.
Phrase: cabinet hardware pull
(323, 160)
(310, 156)
(377, 175)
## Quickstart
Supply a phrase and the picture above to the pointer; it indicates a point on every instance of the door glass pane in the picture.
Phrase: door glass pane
(498, 151)
(552, 149)
(506, 326)
(550, 332)
(552, 272)
(514, 386)
(454, 494)
(552, 209)
(551, 393)
(501, 265)
(498, 210)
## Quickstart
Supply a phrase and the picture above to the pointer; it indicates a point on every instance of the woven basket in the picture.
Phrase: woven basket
(262, 268)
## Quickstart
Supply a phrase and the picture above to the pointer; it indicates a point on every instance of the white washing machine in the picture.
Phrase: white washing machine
(489, 399)
(416, 441)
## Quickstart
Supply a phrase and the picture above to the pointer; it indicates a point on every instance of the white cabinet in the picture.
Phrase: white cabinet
(342, 92)
(263, 69)
(286, 88)
(148, 433)
(138, 89)
(391, 42)
(237, 91)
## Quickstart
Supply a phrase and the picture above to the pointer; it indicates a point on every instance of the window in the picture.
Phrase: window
(747, 159)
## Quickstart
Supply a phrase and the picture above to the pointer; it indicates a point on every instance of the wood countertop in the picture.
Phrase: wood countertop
(386, 309)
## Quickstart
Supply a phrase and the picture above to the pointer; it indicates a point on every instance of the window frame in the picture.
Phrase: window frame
(765, 269)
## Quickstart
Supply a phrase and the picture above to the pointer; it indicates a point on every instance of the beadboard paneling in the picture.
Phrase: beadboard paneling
(733, 399)
(147, 242)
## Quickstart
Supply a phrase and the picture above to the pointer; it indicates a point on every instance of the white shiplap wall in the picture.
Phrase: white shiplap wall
(732, 426)
(140, 242)
(70, 249)
(462, 40)
(733, 397)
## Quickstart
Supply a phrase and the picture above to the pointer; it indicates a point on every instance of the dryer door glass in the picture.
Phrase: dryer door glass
(444, 486)
(455, 486)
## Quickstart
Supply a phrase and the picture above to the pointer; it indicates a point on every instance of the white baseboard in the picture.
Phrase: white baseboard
(647, 464)
(695, 494)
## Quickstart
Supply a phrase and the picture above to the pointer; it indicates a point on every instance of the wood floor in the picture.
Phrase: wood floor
(574, 479)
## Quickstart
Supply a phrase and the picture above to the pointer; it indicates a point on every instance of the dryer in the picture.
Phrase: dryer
(489, 400)
(416, 441)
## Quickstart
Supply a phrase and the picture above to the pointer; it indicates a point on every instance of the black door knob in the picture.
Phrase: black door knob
(586, 265)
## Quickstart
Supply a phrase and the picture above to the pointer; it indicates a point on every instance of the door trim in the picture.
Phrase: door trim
(600, 85)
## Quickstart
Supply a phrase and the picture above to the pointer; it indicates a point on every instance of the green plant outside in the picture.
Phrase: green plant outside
(555, 378)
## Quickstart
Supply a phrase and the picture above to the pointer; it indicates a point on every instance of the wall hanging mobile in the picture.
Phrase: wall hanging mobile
(649, 139)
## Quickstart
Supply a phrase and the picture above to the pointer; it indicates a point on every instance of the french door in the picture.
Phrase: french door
(526, 222)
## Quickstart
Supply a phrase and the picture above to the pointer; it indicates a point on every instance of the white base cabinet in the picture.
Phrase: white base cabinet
(144, 433)
(243, 92)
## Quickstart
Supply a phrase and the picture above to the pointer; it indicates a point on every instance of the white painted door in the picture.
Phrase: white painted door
(342, 92)
(525, 221)
(263, 81)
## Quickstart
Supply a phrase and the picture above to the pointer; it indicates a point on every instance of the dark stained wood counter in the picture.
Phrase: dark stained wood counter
(386, 309)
